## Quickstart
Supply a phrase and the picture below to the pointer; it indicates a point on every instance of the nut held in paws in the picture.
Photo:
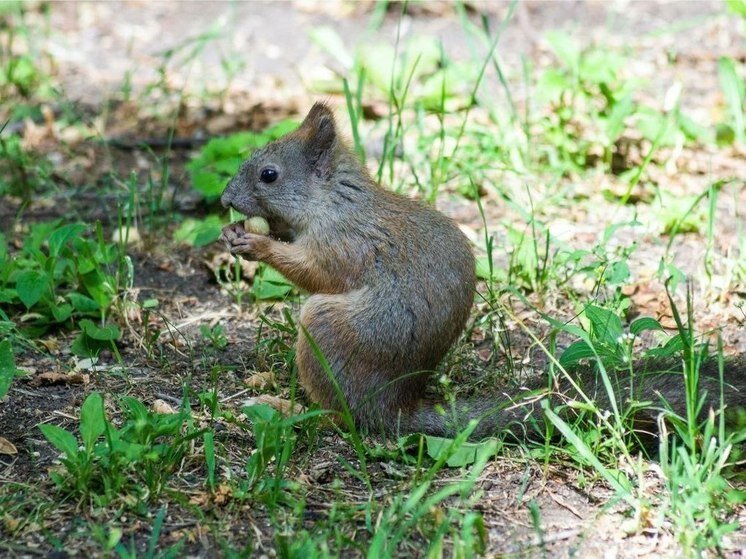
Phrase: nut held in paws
(256, 225)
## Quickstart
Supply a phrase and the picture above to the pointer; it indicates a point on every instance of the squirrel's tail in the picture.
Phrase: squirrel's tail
(514, 416)
(655, 387)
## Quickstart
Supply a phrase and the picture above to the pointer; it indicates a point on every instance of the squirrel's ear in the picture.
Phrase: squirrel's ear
(320, 134)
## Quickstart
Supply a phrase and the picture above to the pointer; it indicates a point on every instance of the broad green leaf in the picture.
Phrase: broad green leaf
(92, 420)
(261, 413)
(565, 48)
(617, 273)
(270, 284)
(198, 232)
(83, 304)
(695, 131)
(60, 236)
(31, 286)
(551, 85)
(655, 126)
(281, 128)
(463, 455)
(62, 440)
(62, 312)
(672, 347)
(615, 123)
(606, 325)
(576, 352)
(600, 67)
(645, 323)
(101, 333)
(378, 62)
(8, 295)
(209, 183)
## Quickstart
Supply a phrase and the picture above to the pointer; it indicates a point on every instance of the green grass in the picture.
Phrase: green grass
(537, 152)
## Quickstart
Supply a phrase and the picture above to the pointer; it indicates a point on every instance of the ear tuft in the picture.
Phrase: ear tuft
(318, 111)
(320, 132)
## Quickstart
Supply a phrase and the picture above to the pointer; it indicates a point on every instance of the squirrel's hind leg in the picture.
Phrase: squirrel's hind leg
(373, 385)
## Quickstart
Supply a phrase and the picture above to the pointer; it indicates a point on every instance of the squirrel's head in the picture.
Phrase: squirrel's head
(281, 180)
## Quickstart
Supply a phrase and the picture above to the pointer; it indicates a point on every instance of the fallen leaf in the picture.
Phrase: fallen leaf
(59, 378)
(7, 447)
(260, 380)
(51, 344)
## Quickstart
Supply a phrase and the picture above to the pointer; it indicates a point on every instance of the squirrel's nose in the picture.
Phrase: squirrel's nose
(227, 197)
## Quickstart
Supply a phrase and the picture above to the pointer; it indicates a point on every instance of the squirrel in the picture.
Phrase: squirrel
(391, 285)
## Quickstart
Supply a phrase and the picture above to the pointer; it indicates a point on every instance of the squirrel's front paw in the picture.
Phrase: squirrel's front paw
(239, 242)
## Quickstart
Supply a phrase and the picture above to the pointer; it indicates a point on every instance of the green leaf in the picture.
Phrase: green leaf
(261, 413)
(724, 134)
(672, 347)
(270, 284)
(576, 352)
(62, 440)
(281, 128)
(92, 338)
(209, 445)
(606, 326)
(92, 419)
(62, 312)
(462, 455)
(102, 333)
(614, 478)
(30, 286)
(617, 273)
(695, 131)
(209, 183)
(600, 67)
(198, 232)
(7, 367)
(645, 323)
(615, 124)
(737, 7)
(83, 304)
(60, 236)
(565, 49)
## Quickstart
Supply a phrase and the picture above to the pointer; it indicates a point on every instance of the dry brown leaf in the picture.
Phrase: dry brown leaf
(484, 354)
(59, 378)
(7, 447)
(200, 499)
(261, 380)
(220, 496)
(11, 523)
(52, 345)
(223, 259)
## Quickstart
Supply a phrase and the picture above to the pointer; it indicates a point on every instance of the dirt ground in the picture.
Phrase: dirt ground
(98, 47)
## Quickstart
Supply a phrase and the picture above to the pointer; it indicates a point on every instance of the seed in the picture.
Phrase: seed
(257, 225)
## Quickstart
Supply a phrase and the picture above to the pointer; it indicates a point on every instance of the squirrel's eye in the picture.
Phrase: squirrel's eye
(268, 175)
